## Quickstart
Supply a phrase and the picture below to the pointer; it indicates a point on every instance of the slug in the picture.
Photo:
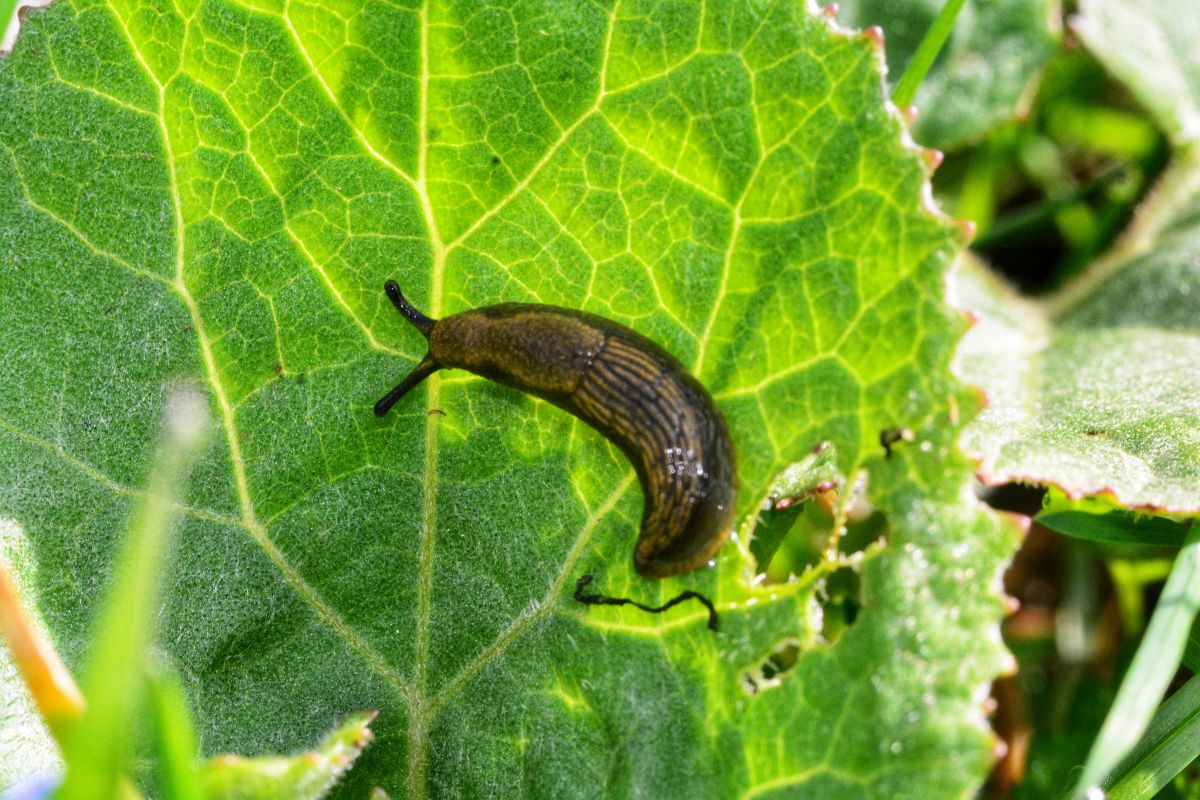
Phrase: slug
(622, 384)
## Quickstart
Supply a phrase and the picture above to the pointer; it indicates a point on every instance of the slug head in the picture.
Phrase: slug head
(421, 371)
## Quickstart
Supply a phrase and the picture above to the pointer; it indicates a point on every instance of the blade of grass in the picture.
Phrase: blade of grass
(1171, 743)
(906, 90)
(1099, 519)
(98, 747)
(1116, 527)
(1153, 666)
(1020, 221)
(175, 740)
(1191, 651)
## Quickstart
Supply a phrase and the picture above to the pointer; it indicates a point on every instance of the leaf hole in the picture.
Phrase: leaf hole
(837, 604)
(792, 510)
(803, 538)
(768, 673)
(840, 598)
(810, 518)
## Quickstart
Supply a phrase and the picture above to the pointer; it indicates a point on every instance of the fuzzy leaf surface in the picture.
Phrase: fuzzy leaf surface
(1097, 390)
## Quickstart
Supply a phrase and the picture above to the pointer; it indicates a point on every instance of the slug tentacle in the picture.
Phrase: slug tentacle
(421, 322)
(420, 372)
(428, 364)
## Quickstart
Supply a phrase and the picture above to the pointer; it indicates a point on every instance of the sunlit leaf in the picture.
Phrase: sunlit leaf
(219, 191)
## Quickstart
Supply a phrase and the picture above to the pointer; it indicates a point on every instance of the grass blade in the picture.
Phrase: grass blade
(175, 740)
(98, 747)
(1171, 743)
(1119, 527)
(1153, 666)
(906, 90)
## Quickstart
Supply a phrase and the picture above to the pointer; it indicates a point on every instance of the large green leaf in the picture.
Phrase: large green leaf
(1096, 390)
(218, 190)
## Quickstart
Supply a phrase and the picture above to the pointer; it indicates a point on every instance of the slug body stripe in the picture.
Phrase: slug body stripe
(677, 441)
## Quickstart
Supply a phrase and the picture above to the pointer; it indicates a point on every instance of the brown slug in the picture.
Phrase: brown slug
(622, 384)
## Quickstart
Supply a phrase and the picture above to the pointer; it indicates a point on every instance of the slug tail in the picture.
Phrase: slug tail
(420, 372)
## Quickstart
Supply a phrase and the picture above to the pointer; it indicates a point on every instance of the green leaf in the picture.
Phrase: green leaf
(1150, 45)
(174, 739)
(726, 180)
(1169, 746)
(987, 70)
(306, 776)
(1099, 519)
(1097, 390)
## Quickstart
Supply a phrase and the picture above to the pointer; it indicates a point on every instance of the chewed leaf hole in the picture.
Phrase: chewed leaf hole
(840, 598)
(836, 603)
(813, 515)
(799, 509)
(767, 673)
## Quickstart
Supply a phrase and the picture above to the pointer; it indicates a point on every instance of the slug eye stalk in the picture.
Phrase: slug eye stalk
(421, 322)
(426, 367)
